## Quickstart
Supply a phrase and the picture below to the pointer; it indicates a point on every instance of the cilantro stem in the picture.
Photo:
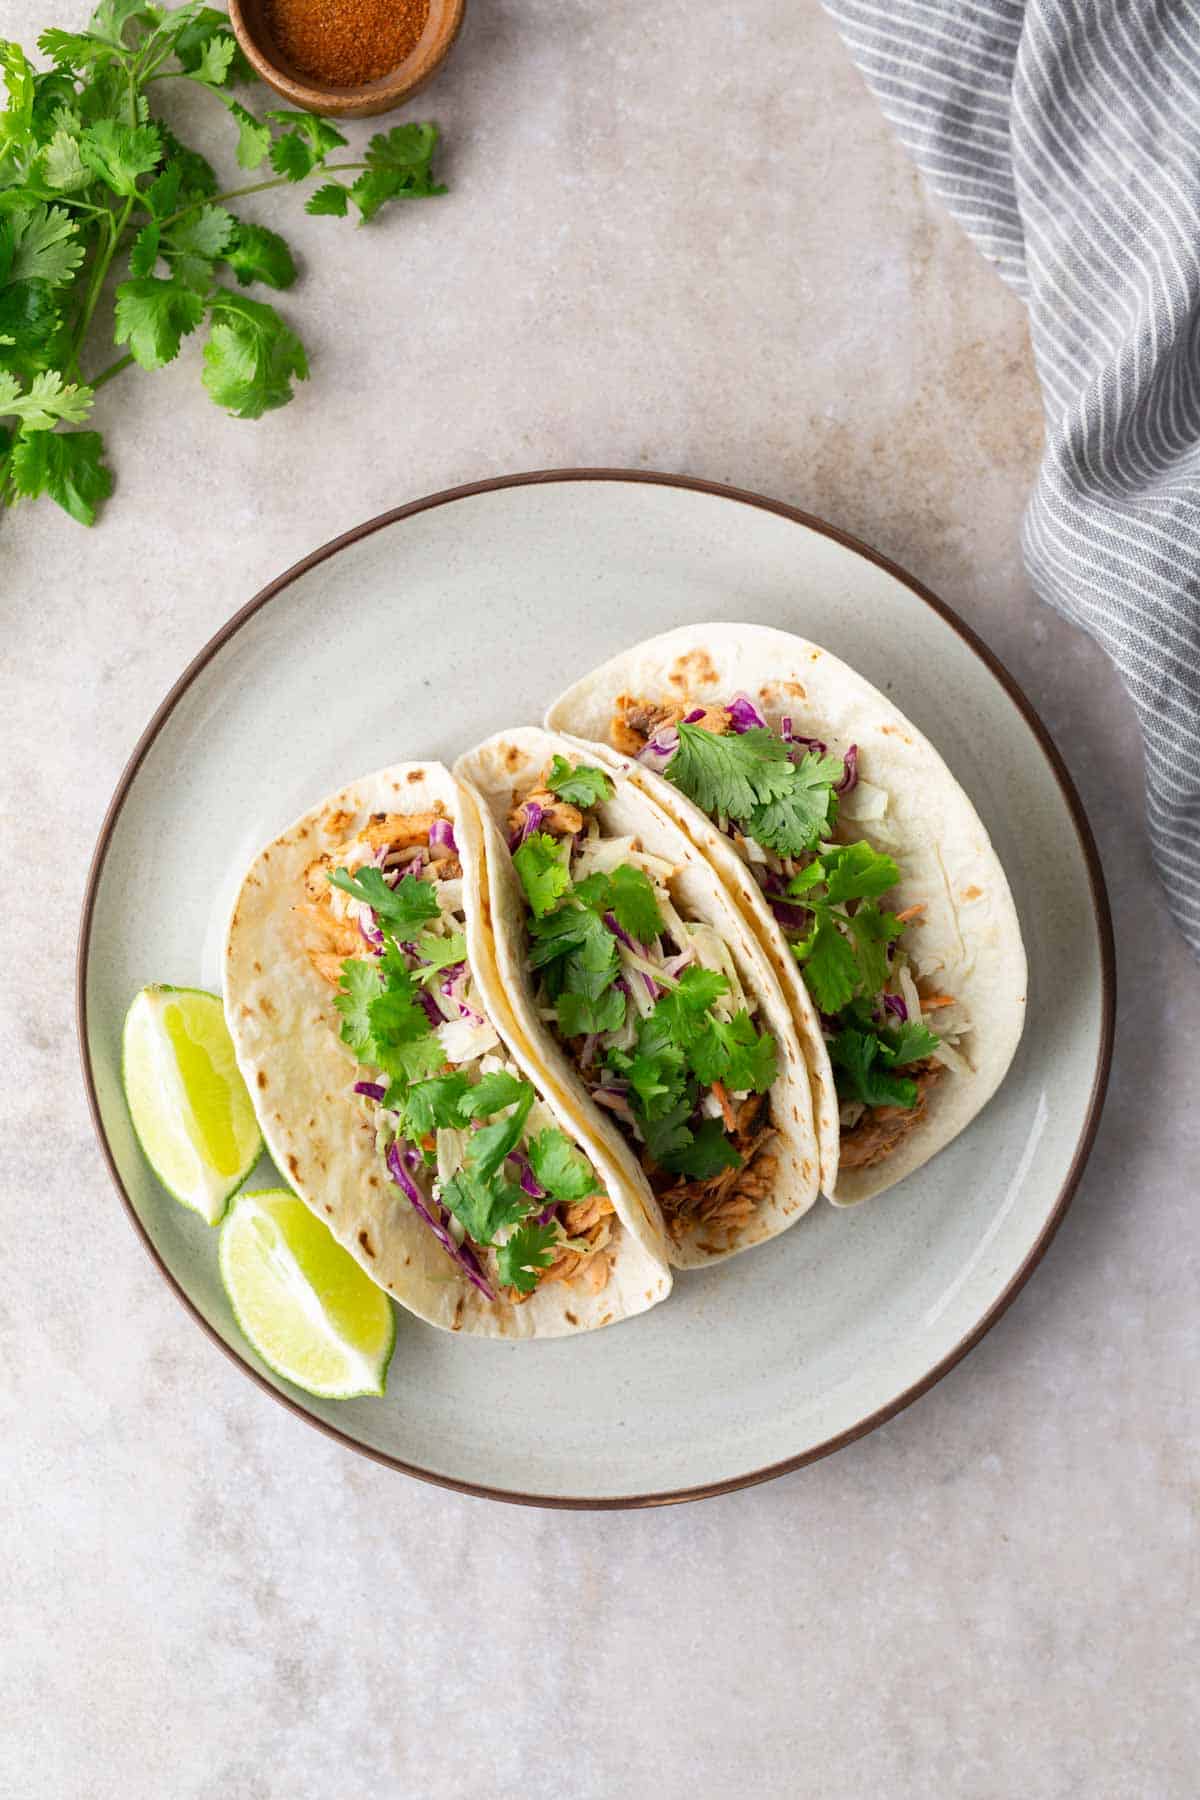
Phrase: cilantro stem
(100, 269)
(114, 368)
(257, 187)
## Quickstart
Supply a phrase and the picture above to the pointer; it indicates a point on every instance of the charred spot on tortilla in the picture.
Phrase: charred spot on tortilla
(334, 824)
(413, 775)
(365, 1241)
(293, 1166)
(971, 893)
(512, 757)
(570, 1318)
(267, 1007)
(456, 1324)
(258, 968)
(261, 1078)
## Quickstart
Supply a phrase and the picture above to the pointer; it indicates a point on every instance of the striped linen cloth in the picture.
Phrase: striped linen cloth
(1065, 138)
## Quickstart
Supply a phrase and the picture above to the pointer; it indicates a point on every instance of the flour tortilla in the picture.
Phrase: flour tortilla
(300, 1076)
(512, 760)
(969, 937)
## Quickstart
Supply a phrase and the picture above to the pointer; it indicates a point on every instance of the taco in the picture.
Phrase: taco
(641, 994)
(396, 1099)
(857, 862)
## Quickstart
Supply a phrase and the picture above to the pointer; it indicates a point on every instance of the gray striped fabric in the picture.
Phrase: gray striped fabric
(1065, 138)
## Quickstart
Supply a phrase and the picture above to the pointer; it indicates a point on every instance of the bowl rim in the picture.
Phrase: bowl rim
(1100, 906)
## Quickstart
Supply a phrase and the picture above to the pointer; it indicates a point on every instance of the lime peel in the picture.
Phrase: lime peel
(190, 1108)
(305, 1305)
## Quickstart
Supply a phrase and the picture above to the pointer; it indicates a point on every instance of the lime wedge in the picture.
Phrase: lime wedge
(188, 1102)
(307, 1308)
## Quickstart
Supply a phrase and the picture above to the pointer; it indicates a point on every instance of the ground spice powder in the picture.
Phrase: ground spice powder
(346, 42)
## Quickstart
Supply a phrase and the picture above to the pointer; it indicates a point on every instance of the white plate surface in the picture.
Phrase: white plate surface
(469, 613)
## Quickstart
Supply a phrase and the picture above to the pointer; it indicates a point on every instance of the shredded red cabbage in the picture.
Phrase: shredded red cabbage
(527, 1181)
(547, 1213)
(894, 1003)
(464, 1257)
(664, 743)
(697, 712)
(441, 836)
(743, 714)
(371, 1089)
(531, 821)
(432, 1010)
(849, 779)
(618, 931)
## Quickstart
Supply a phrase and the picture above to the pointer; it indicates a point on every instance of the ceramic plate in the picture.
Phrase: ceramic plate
(430, 628)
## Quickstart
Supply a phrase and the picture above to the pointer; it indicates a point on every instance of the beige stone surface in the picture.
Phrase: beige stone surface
(677, 237)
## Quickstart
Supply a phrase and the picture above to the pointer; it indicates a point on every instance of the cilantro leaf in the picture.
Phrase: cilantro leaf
(491, 1093)
(213, 63)
(153, 316)
(855, 1058)
(401, 908)
(492, 1143)
(633, 901)
(119, 154)
(706, 1154)
(564, 1171)
(669, 1134)
(318, 134)
(683, 1010)
(256, 254)
(438, 1101)
(541, 863)
(657, 1071)
(251, 356)
(143, 257)
(910, 1043)
(331, 200)
(829, 963)
(732, 1052)
(254, 138)
(43, 245)
(46, 403)
(796, 819)
(359, 986)
(408, 146)
(482, 1206)
(203, 232)
(580, 1015)
(849, 872)
(580, 786)
(67, 466)
(528, 1251)
(730, 774)
(872, 932)
(402, 1043)
(62, 166)
(440, 952)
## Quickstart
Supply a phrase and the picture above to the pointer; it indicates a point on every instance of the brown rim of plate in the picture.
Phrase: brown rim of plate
(1100, 907)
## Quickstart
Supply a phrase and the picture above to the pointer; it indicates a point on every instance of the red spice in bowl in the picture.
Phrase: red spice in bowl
(346, 42)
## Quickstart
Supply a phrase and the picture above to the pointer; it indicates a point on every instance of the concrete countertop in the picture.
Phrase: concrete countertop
(680, 238)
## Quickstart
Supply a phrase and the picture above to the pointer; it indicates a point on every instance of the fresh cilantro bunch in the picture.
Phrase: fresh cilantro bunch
(864, 1058)
(683, 1047)
(386, 1026)
(845, 962)
(749, 776)
(93, 183)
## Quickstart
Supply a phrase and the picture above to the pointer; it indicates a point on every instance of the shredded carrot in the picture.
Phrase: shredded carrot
(931, 1000)
(911, 912)
(723, 1101)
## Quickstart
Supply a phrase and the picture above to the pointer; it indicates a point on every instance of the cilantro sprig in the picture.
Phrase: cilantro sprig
(749, 776)
(845, 954)
(93, 182)
(582, 785)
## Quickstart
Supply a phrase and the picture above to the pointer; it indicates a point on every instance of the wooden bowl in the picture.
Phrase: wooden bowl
(253, 33)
